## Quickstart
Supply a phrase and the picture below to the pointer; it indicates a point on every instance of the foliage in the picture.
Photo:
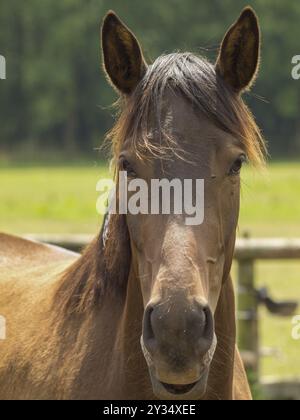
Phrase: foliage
(56, 97)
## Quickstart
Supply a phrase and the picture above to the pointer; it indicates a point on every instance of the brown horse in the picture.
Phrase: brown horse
(149, 311)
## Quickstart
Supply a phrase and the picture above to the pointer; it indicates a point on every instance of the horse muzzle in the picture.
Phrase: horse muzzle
(179, 387)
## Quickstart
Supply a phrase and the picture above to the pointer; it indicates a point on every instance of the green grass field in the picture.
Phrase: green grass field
(62, 199)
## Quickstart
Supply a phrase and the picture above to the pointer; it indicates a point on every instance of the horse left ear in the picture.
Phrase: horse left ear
(123, 58)
(238, 59)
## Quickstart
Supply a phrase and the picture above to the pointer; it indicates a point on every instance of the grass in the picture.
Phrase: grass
(271, 201)
(50, 199)
(62, 199)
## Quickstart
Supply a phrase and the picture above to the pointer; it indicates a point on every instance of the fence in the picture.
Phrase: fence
(247, 253)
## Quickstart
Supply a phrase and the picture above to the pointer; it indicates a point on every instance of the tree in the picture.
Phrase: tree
(56, 96)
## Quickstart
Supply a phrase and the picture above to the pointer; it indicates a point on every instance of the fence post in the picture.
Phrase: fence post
(248, 318)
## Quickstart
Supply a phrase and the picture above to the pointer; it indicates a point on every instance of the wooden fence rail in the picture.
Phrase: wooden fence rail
(246, 249)
(247, 252)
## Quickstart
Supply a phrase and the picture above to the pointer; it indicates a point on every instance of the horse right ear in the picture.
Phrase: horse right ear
(123, 59)
(238, 59)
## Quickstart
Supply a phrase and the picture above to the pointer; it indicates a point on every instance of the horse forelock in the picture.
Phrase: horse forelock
(195, 79)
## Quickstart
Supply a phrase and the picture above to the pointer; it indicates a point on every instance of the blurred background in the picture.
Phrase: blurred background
(55, 108)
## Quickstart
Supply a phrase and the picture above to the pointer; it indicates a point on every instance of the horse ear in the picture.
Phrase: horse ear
(238, 59)
(123, 59)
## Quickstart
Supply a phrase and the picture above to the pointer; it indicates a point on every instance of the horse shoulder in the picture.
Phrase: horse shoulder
(29, 274)
(16, 251)
(28, 267)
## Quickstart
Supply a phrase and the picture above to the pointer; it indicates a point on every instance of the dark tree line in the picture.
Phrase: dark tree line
(56, 97)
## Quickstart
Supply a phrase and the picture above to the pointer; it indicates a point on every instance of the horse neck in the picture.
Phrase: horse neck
(133, 365)
(221, 378)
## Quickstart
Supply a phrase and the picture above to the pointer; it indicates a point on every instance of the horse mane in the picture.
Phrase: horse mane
(103, 270)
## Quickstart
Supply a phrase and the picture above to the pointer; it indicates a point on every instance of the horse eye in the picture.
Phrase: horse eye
(126, 166)
(237, 166)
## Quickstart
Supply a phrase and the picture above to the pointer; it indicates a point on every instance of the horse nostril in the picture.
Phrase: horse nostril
(206, 331)
(148, 334)
(202, 319)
